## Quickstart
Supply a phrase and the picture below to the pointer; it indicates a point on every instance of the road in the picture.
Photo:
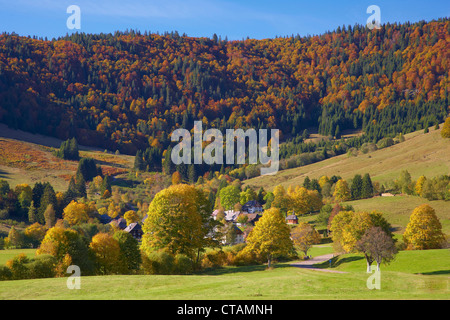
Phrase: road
(309, 264)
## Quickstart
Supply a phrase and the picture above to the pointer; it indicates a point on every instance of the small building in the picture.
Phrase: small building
(292, 219)
(253, 218)
(135, 230)
(231, 215)
(252, 206)
(238, 236)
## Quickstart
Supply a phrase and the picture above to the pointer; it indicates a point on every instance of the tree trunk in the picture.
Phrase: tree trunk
(369, 269)
(268, 260)
(369, 261)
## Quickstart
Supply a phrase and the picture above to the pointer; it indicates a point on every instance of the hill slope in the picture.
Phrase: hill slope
(30, 162)
(128, 90)
(420, 154)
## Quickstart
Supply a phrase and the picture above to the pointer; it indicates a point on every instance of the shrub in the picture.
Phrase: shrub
(18, 267)
(183, 264)
(42, 267)
(158, 262)
(214, 259)
(5, 273)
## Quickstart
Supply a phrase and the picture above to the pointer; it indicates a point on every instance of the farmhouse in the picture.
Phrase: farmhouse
(292, 219)
(252, 206)
(135, 230)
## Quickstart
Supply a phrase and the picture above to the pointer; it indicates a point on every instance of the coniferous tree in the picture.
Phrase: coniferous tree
(367, 187)
(356, 187)
(32, 213)
(48, 198)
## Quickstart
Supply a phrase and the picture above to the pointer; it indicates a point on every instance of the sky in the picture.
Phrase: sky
(233, 19)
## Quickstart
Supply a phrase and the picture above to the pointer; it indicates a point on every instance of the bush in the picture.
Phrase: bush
(42, 266)
(214, 259)
(183, 264)
(5, 273)
(21, 267)
(158, 262)
(245, 258)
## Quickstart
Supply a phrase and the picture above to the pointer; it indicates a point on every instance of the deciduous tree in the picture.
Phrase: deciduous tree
(424, 230)
(270, 236)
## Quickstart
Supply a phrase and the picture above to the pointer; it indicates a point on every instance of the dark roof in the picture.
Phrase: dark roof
(252, 203)
(120, 222)
(104, 218)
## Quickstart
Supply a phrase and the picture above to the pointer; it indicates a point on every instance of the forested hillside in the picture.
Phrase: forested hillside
(128, 91)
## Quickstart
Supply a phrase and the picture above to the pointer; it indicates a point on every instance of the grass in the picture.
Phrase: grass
(425, 262)
(398, 209)
(413, 275)
(29, 163)
(6, 255)
(420, 154)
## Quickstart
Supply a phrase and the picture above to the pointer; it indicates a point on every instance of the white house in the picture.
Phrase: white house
(252, 206)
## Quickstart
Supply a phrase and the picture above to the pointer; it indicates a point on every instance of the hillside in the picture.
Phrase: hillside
(420, 154)
(129, 91)
(30, 158)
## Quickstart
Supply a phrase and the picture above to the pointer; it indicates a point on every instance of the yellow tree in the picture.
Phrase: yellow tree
(75, 213)
(270, 236)
(424, 230)
(36, 233)
(176, 178)
(419, 185)
(304, 236)
(64, 245)
(107, 254)
(179, 221)
(445, 133)
(342, 191)
(281, 200)
(348, 227)
(131, 217)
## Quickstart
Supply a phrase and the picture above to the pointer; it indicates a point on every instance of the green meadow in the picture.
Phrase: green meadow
(412, 275)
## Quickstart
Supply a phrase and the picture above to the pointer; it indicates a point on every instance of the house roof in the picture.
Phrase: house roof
(231, 215)
(291, 217)
(252, 203)
(133, 227)
(120, 222)
(104, 218)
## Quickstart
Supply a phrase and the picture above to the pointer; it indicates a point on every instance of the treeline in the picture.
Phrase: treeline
(41, 203)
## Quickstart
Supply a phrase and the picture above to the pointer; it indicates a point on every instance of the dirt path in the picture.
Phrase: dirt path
(319, 259)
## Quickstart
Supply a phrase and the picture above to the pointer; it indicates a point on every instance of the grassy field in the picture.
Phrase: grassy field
(398, 209)
(421, 154)
(6, 255)
(413, 275)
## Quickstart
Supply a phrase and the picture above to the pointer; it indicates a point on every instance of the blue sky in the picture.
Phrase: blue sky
(232, 18)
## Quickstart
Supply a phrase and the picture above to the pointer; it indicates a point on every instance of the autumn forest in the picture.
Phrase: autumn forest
(129, 90)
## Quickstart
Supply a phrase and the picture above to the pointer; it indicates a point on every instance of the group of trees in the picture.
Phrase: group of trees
(370, 233)
(95, 252)
(68, 150)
